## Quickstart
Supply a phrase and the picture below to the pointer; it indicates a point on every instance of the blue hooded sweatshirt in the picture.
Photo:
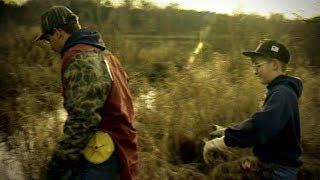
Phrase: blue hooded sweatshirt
(84, 36)
(274, 132)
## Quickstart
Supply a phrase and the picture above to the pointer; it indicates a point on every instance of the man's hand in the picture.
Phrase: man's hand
(218, 132)
(56, 168)
(214, 144)
(60, 168)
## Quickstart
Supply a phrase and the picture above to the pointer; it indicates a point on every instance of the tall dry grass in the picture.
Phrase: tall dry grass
(218, 89)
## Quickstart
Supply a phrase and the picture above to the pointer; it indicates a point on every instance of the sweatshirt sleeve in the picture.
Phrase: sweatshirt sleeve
(86, 83)
(263, 125)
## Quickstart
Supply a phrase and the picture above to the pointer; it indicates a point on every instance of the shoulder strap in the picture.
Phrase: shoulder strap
(105, 59)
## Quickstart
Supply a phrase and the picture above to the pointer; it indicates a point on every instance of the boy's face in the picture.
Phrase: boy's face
(264, 69)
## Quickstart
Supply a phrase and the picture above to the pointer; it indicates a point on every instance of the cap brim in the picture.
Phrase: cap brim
(252, 53)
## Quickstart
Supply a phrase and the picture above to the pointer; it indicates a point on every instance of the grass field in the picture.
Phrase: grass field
(176, 106)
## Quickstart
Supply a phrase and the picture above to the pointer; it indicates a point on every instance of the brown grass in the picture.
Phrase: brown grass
(217, 90)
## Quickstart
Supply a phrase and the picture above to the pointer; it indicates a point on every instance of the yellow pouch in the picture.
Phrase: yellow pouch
(99, 148)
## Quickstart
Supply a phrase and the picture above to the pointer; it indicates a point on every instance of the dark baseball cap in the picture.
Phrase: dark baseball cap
(56, 17)
(270, 48)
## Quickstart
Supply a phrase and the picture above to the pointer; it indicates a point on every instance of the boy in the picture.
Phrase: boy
(274, 132)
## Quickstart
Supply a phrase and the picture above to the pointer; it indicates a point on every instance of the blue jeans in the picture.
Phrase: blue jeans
(108, 170)
(82, 169)
(278, 172)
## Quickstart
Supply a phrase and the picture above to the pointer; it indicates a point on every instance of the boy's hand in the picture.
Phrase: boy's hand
(218, 132)
(214, 144)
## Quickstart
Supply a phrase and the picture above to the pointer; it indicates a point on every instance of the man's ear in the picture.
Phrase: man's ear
(54, 31)
(57, 32)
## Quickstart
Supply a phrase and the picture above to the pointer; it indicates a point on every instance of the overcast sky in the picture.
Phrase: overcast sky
(304, 8)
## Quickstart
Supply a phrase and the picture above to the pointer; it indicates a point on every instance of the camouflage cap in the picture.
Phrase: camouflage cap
(55, 17)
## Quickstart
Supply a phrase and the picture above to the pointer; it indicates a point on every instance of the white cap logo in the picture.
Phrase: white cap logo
(274, 48)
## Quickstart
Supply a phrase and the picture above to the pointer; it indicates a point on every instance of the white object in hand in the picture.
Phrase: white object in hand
(217, 143)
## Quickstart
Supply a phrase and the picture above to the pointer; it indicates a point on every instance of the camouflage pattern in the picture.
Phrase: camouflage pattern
(55, 17)
(86, 81)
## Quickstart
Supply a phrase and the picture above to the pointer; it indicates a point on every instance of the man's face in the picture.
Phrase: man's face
(55, 40)
(264, 69)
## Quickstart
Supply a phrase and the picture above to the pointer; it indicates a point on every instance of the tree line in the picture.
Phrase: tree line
(226, 33)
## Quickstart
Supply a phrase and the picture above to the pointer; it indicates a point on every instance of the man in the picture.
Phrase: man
(274, 132)
(99, 138)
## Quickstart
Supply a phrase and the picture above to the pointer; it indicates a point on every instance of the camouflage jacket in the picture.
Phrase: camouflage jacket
(86, 82)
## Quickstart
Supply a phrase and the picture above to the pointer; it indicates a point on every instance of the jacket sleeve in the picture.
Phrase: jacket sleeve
(86, 82)
(262, 126)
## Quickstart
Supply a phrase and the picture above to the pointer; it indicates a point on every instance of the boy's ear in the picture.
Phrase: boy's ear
(276, 64)
(253, 60)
